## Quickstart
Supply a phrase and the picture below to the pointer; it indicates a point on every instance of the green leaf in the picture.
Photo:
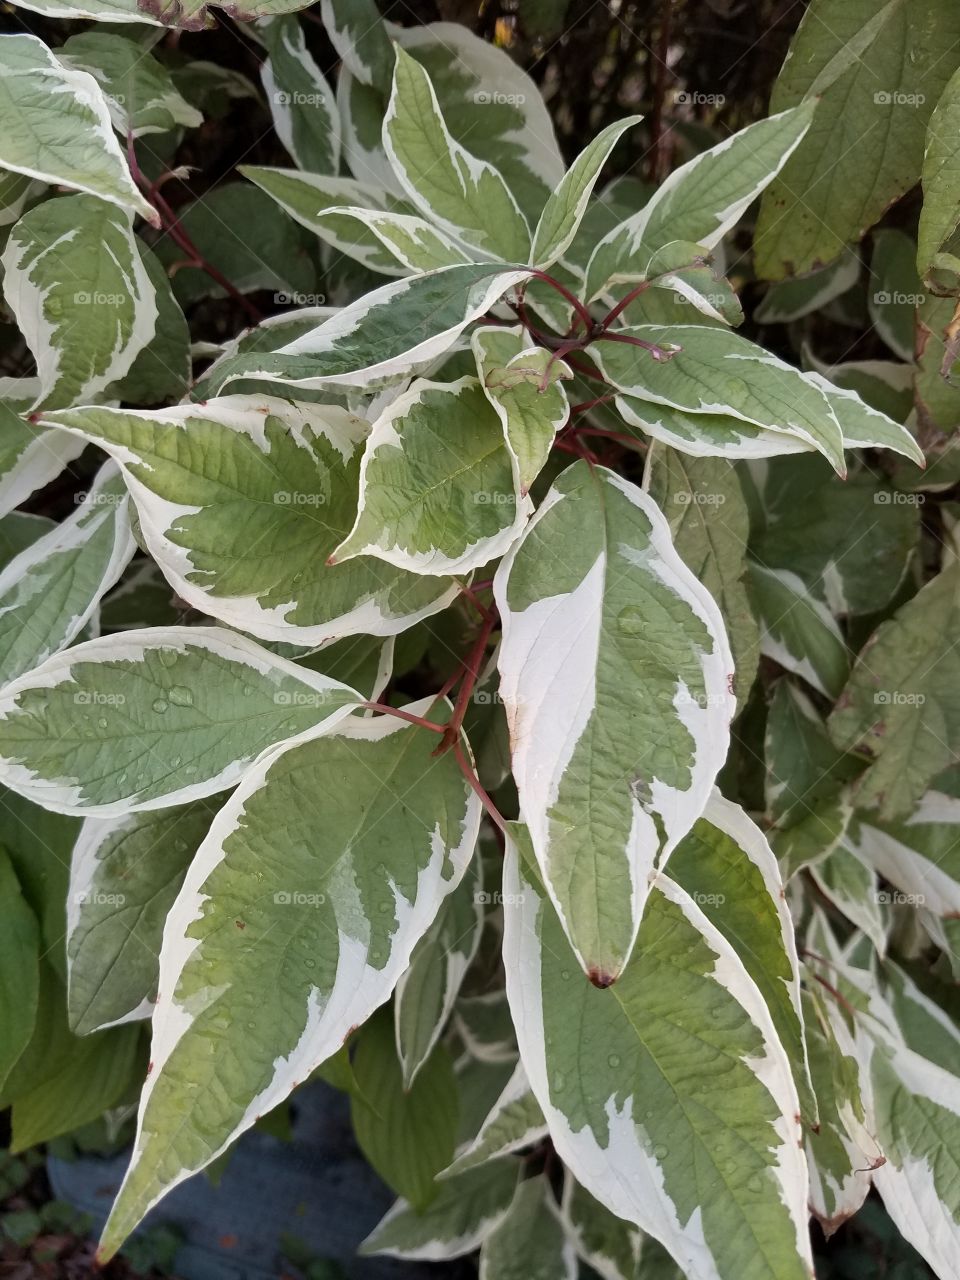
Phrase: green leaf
(709, 522)
(146, 719)
(703, 199)
(294, 923)
(565, 207)
(319, 202)
(602, 1240)
(195, 15)
(55, 126)
(162, 369)
(39, 844)
(460, 1216)
(523, 385)
(852, 542)
(530, 1242)
(359, 35)
(19, 968)
(78, 287)
(139, 93)
(865, 146)
(439, 490)
(727, 867)
(465, 196)
(895, 291)
(899, 704)
(30, 455)
(704, 435)
(237, 230)
(407, 1133)
(804, 769)
(937, 245)
(937, 398)
(796, 630)
(412, 241)
(124, 876)
(799, 296)
(683, 1116)
(98, 1074)
(919, 855)
(428, 990)
(389, 332)
(718, 372)
(241, 503)
(851, 884)
(49, 591)
(910, 1103)
(864, 424)
(839, 1153)
(102, 10)
(595, 601)
(301, 101)
(515, 1121)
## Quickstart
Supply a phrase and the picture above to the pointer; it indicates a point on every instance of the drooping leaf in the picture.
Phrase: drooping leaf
(124, 876)
(919, 854)
(30, 455)
(242, 501)
(895, 291)
(605, 1242)
(729, 870)
(391, 331)
(851, 884)
(75, 280)
(718, 372)
(683, 1118)
(139, 93)
(293, 924)
(161, 371)
(55, 126)
(530, 1242)
(147, 719)
(900, 702)
(19, 968)
(796, 630)
(514, 1122)
(428, 989)
(407, 1132)
(439, 489)
(461, 1215)
(704, 506)
(611, 649)
(851, 541)
(49, 591)
(937, 246)
(359, 35)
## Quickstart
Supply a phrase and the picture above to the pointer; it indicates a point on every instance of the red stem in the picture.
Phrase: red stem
(419, 721)
(475, 783)
(586, 319)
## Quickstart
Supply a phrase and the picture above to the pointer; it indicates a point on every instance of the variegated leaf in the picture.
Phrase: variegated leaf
(611, 650)
(319, 907)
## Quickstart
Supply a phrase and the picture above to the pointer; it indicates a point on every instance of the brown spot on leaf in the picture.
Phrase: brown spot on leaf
(601, 979)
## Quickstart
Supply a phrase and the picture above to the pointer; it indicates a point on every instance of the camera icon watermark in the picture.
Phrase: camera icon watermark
(96, 698)
(487, 498)
(893, 498)
(297, 898)
(896, 898)
(96, 898)
(693, 98)
(897, 98)
(687, 498)
(300, 698)
(284, 299)
(282, 98)
(291, 498)
(897, 698)
(497, 899)
(495, 98)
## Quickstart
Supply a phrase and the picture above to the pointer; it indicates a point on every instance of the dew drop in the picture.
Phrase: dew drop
(558, 1082)
(248, 691)
(102, 722)
(168, 657)
(755, 1186)
(660, 1151)
(181, 696)
(160, 705)
(565, 975)
(630, 621)
(309, 964)
(613, 1060)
